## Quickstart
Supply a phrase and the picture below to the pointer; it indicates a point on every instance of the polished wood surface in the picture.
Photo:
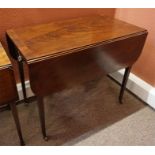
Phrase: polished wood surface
(62, 37)
(64, 54)
(4, 60)
(8, 90)
(52, 75)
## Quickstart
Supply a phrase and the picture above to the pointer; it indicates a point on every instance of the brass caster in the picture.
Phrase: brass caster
(46, 138)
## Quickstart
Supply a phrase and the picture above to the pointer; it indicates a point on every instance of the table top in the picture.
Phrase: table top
(67, 36)
(4, 60)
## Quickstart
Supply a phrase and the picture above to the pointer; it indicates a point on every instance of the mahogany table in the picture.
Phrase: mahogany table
(65, 53)
(8, 90)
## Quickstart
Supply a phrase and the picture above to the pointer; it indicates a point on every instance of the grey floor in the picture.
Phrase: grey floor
(88, 114)
(137, 130)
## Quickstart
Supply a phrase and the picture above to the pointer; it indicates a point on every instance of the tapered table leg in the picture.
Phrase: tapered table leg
(42, 116)
(15, 54)
(16, 119)
(124, 82)
(22, 78)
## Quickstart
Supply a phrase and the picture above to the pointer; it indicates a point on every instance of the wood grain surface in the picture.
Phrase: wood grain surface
(4, 60)
(64, 54)
(61, 37)
(55, 74)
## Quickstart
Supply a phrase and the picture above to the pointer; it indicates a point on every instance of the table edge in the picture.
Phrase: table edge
(15, 39)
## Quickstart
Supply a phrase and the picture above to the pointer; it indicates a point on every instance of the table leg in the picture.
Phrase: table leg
(22, 78)
(16, 119)
(124, 82)
(16, 56)
(42, 116)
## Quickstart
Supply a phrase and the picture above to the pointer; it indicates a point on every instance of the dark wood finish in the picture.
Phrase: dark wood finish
(14, 53)
(124, 82)
(66, 53)
(63, 72)
(15, 116)
(56, 74)
(42, 116)
(22, 78)
(61, 37)
(8, 90)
